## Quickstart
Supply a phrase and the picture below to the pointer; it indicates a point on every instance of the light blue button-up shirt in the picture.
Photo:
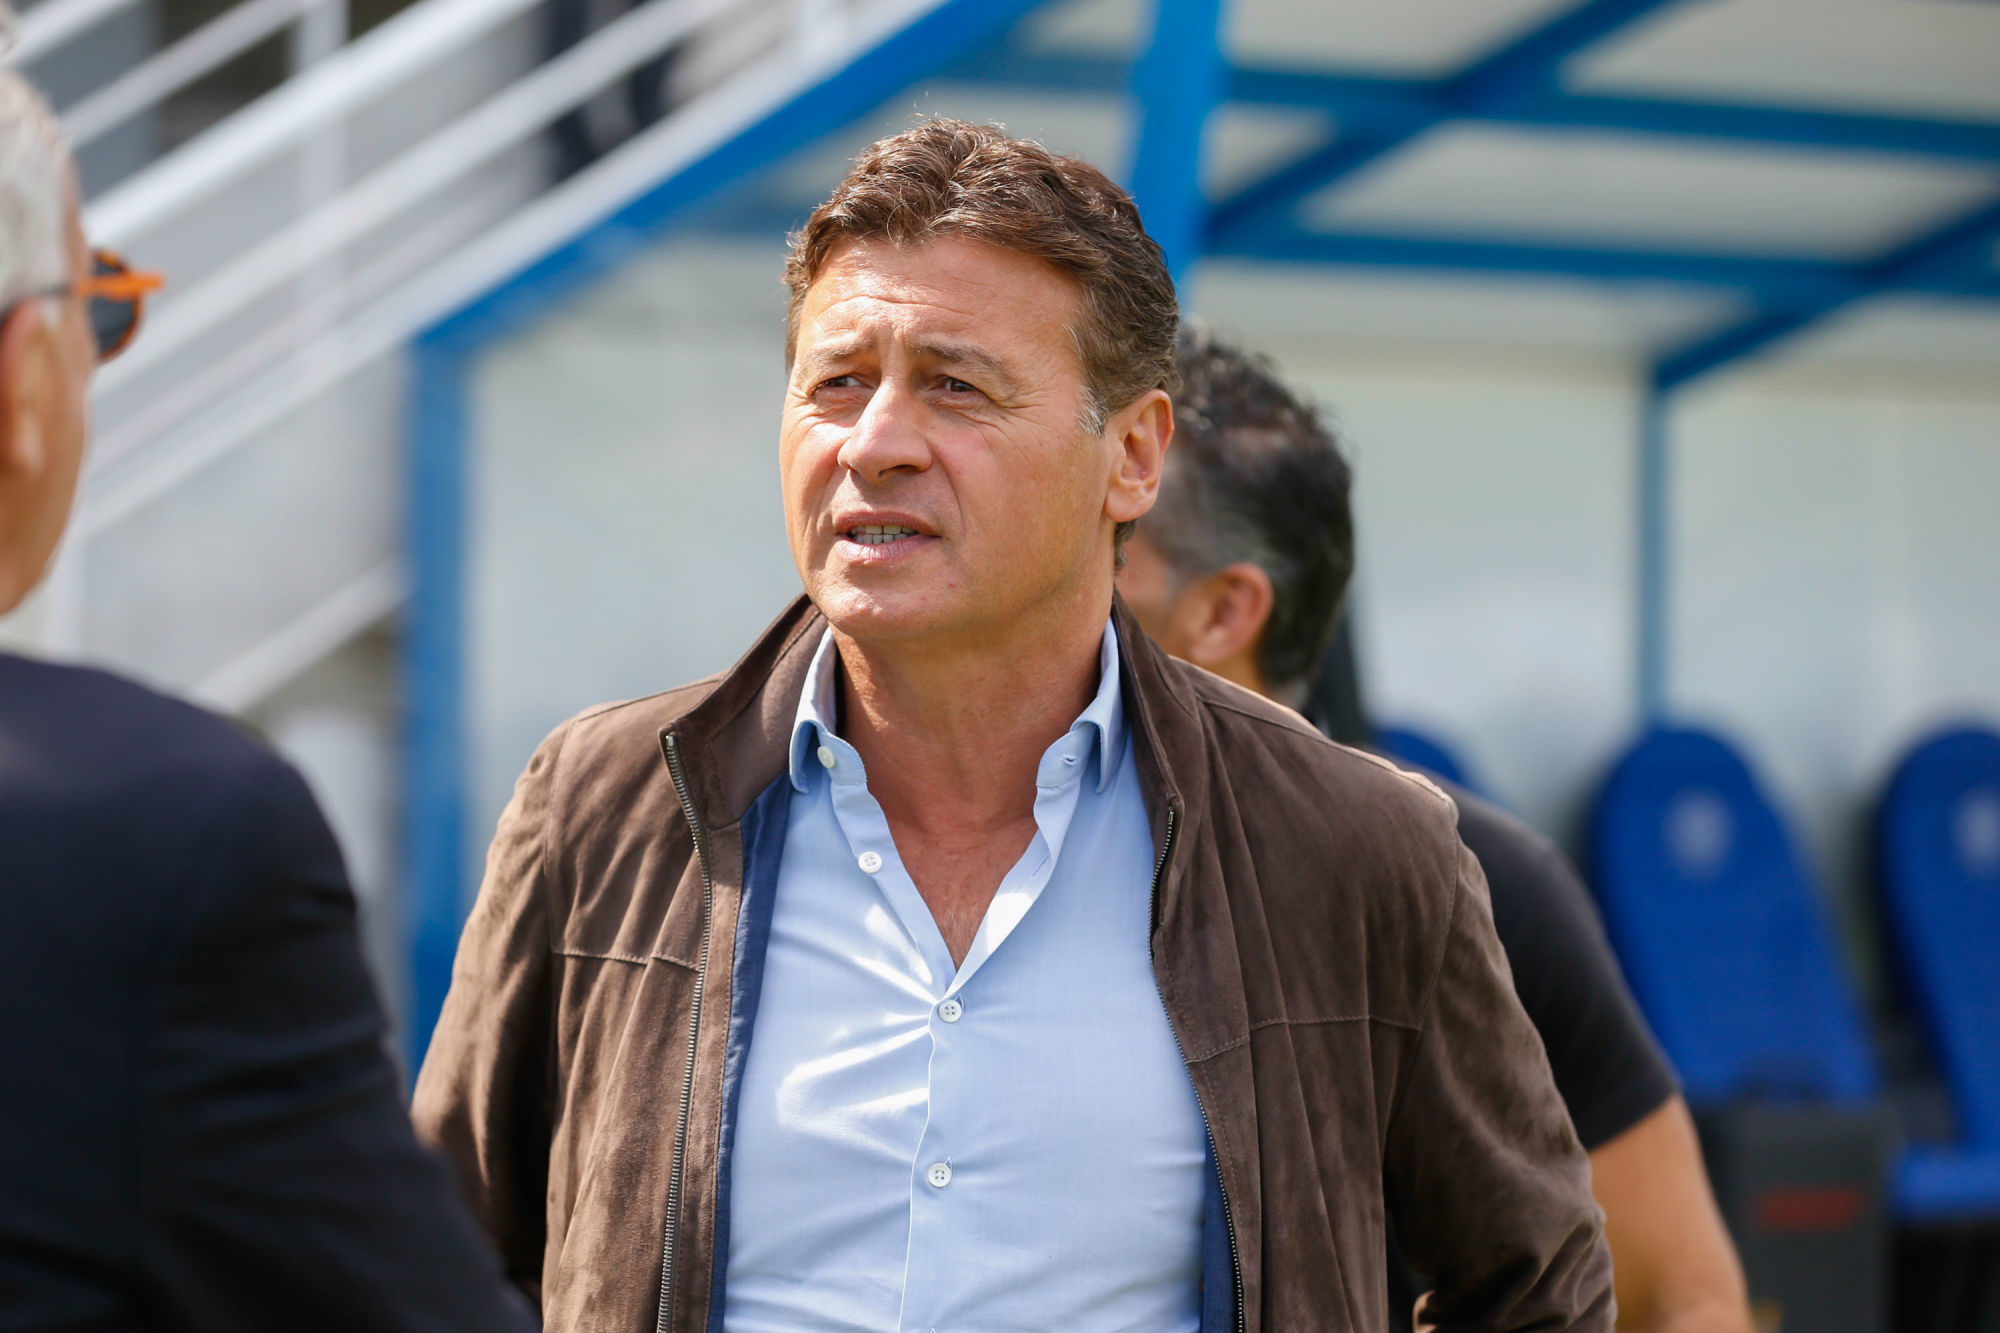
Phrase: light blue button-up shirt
(1012, 1143)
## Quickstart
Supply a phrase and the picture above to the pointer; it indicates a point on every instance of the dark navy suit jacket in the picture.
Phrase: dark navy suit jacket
(199, 1128)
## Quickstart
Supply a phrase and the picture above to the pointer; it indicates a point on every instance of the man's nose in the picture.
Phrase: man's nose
(888, 436)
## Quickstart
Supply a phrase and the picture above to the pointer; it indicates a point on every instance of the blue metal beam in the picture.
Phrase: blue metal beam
(1780, 127)
(1773, 281)
(1524, 69)
(1776, 282)
(1532, 63)
(1178, 83)
(1960, 251)
(433, 649)
(1372, 104)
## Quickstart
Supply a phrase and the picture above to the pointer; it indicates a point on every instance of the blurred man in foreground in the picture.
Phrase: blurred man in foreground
(958, 960)
(200, 1128)
(1241, 568)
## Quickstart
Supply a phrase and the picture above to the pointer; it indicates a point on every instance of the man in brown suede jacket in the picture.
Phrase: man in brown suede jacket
(957, 959)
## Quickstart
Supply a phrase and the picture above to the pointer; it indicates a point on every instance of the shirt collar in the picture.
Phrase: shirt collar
(1104, 714)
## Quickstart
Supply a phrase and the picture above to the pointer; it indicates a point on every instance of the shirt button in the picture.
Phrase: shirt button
(939, 1175)
(951, 1010)
(870, 862)
(825, 756)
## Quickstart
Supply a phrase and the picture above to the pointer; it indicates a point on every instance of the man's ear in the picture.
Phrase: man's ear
(1142, 430)
(1234, 606)
(24, 386)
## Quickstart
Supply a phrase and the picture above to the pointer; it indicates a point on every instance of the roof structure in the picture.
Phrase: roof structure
(1776, 164)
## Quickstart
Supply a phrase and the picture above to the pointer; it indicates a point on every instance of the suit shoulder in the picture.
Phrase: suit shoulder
(85, 722)
(124, 811)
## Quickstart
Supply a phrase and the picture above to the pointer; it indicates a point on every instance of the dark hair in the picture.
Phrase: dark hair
(1255, 475)
(951, 178)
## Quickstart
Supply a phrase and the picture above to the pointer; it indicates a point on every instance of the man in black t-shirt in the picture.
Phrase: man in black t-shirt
(1241, 568)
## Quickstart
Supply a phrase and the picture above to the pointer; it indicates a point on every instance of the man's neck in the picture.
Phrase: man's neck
(952, 735)
(1241, 669)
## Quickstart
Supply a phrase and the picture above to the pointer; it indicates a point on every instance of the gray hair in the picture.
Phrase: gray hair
(1257, 476)
(34, 179)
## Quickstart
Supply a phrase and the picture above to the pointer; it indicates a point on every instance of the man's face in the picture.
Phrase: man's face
(938, 478)
(46, 362)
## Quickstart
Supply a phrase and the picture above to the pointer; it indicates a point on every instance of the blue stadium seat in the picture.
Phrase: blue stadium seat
(1721, 930)
(1419, 750)
(1938, 840)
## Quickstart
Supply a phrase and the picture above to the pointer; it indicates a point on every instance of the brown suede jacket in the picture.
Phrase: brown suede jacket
(1321, 939)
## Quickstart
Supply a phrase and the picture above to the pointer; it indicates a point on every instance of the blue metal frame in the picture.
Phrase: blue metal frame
(433, 647)
(1524, 69)
(1957, 251)
(1517, 85)
(1774, 281)
(1376, 103)
(1177, 83)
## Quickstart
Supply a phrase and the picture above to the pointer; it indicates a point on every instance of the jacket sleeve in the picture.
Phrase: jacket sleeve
(1489, 1188)
(484, 1097)
(278, 1180)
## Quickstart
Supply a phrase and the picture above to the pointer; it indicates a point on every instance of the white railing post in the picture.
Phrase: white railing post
(321, 31)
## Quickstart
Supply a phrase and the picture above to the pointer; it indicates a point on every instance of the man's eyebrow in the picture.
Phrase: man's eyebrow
(838, 350)
(964, 354)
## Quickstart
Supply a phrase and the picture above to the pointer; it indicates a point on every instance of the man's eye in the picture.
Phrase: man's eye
(838, 382)
(952, 385)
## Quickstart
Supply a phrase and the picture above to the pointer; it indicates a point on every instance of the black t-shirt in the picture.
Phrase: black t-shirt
(1609, 1069)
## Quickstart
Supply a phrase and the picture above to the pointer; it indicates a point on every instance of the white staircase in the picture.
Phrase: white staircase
(240, 516)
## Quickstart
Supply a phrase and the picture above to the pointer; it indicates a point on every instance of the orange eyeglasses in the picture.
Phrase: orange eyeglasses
(116, 297)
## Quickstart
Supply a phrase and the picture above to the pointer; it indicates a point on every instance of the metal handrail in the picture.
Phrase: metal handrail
(56, 23)
(426, 169)
(336, 619)
(167, 71)
(403, 313)
(344, 82)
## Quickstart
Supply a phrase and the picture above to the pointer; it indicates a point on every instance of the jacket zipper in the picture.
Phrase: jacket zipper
(1228, 1218)
(694, 1038)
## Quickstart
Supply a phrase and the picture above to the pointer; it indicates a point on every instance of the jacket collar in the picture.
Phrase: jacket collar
(738, 738)
(735, 739)
(1102, 719)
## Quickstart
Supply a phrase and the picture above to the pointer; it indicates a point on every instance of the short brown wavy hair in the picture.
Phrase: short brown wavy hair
(948, 177)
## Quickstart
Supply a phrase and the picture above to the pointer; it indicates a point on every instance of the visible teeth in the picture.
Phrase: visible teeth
(880, 534)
